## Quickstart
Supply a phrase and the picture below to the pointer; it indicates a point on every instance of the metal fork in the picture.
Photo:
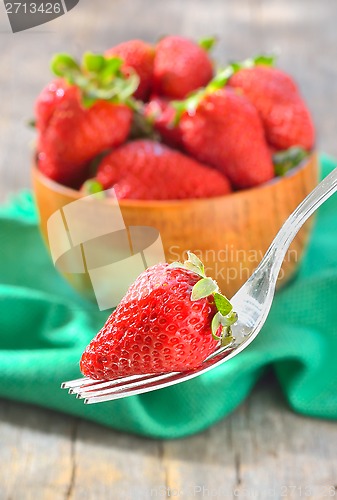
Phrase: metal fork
(252, 303)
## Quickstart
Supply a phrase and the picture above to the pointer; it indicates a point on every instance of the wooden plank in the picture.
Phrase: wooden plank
(263, 450)
(109, 464)
(45, 455)
(35, 453)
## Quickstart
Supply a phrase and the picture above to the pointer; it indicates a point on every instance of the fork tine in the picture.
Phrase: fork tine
(93, 385)
(75, 386)
(110, 384)
(220, 350)
(74, 383)
(86, 382)
(152, 384)
(124, 386)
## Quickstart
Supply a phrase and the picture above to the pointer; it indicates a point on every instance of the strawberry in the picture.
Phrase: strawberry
(75, 135)
(139, 56)
(225, 131)
(48, 100)
(148, 170)
(160, 112)
(180, 66)
(88, 119)
(285, 117)
(171, 318)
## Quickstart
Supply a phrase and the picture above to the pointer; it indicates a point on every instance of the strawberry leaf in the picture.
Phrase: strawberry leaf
(225, 338)
(193, 259)
(126, 88)
(267, 60)
(191, 267)
(203, 288)
(142, 126)
(93, 63)
(61, 64)
(92, 186)
(219, 80)
(98, 78)
(111, 67)
(87, 101)
(225, 317)
(262, 59)
(288, 159)
(207, 43)
(31, 123)
(194, 264)
(215, 326)
(188, 105)
(222, 304)
(229, 319)
(180, 108)
(222, 76)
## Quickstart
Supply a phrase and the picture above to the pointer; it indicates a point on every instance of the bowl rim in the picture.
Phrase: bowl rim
(73, 193)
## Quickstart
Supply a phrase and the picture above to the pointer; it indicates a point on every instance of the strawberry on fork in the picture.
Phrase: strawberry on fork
(171, 318)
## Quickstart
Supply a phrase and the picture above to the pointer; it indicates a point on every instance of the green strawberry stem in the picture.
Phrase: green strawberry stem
(288, 159)
(92, 186)
(98, 78)
(205, 287)
(142, 126)
(207, 43)
(31, 123)
(221, 78)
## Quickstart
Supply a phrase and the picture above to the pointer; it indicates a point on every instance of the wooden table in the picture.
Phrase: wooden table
(262, 450)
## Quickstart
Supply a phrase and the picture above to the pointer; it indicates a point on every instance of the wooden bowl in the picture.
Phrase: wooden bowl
(229, 233)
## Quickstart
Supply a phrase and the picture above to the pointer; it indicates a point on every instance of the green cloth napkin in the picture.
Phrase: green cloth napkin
(45, 325)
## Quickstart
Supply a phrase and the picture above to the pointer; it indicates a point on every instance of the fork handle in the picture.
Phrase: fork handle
(279, 246)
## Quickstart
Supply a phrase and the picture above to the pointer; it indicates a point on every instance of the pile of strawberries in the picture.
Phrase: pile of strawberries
(160, 122)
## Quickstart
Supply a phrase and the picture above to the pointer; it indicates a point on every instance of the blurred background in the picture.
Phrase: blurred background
(301, 32)
(263, 449)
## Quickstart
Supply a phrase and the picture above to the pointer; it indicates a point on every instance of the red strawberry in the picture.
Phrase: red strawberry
(164, 323)
(139, 56)
(180, 66)
(148, 170)
(285, 117)
(75, 135)
(50, 97)
(226, 132)
(162, 114)
(82, 118)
